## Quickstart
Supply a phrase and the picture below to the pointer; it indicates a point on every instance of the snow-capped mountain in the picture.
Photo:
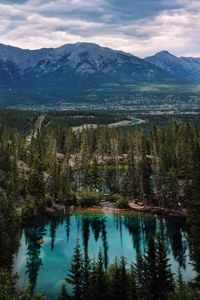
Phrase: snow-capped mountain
(184, 67)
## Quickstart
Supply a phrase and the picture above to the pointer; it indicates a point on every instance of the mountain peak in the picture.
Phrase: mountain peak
(163, 53)
(78, 45)
(77, 48)
(188, 68)
(92, 48)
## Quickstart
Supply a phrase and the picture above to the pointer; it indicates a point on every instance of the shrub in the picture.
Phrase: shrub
(87, 198)
(120, 200)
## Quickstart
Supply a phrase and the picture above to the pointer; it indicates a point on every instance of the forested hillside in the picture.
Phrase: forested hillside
(43, 166)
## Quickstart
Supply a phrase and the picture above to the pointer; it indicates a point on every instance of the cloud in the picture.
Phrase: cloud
(138, 9)
(141, 27)
(13, 1)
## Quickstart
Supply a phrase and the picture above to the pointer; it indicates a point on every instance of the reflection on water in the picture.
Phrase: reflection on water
(46, 249)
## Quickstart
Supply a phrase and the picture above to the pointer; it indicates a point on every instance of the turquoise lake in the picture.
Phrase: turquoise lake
(46, 265)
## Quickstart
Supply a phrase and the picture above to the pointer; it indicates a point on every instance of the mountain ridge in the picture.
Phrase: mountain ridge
(184, 67)
(75, 71)
(83, 57)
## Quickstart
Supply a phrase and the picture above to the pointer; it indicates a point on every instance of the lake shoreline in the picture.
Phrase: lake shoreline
(148, 210)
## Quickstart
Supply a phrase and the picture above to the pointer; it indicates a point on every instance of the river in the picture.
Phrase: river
(130, 122)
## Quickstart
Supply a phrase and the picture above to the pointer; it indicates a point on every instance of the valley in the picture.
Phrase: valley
(88, 76)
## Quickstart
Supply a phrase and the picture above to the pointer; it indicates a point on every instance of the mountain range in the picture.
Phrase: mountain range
(184, 67)
(80, 59)
(82, 67)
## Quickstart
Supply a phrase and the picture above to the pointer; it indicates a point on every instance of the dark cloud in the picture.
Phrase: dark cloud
(137, 9)
(13, 1)
(118, 11)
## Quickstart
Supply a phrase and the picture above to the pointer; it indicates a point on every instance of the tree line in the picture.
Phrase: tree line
(155, 167)
(149, 278)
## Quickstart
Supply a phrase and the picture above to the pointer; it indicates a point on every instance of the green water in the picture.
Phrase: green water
(46, 266)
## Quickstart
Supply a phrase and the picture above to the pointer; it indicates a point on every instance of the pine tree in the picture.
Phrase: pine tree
(165, 276)
(36, 184)
(146, 174)
(63, 293)
(181, 291)
(101, 278)
(93, 175)
(13, 188)
(150, 269)
(75, 276)
(132, 291)
(140, 274)
(114, 280)
(123, 283)
(86, 274)
(93, 281)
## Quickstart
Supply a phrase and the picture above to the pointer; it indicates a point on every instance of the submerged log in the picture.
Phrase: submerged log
(156, 210)
(40, 241)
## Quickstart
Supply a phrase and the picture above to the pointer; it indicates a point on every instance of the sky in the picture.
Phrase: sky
(140, 27)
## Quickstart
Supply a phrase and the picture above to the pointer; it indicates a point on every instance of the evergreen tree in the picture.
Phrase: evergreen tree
(75, 276)
(93, 281)
(150, 269)
(86, 274)
(36, 184)
(181, 291)
(101, 278)
(93, 175)
(63, 293)
(132, 291)
(123, 283)
(165, 276)
(146, 174)
(140, 275)
(114, 280)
